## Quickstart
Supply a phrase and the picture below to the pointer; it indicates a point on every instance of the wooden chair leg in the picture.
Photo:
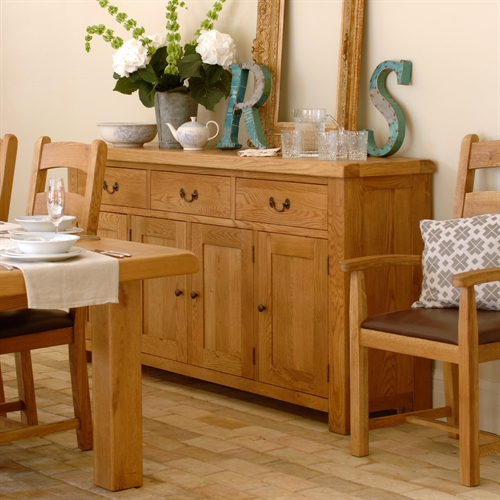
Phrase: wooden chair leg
(450, 378)
(80, 383)
(2, 393)
(358, 372)
(468, 380)
(26, 387)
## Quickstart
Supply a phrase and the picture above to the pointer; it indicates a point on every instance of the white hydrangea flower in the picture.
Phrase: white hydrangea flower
(215, 47)
(157, 40)
(131, 56)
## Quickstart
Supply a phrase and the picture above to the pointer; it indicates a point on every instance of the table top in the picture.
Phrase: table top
(147, 261)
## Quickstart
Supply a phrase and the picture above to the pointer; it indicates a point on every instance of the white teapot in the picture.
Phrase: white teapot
(193, 136)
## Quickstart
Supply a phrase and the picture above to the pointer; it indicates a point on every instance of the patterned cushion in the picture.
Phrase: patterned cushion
(457, 245)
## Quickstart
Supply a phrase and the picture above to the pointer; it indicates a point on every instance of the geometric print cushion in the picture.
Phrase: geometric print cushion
(457, 245)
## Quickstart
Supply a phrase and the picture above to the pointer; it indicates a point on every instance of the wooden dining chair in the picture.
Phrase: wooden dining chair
(456, 319)
(24, 330)
(89, 160)
(8, 152)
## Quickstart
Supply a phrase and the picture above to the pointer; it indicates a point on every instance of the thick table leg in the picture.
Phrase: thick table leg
(117, 392)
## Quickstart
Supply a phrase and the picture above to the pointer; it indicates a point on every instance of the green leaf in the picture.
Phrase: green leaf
(207, 95)
(190, 49)
(148, 74)
(213, 73)
(190, 66)
(159, 60)
(226, 80)
(168, 82)
(126, 86)
(147, 94)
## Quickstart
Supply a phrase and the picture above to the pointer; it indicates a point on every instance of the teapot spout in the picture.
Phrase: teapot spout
(174, 132)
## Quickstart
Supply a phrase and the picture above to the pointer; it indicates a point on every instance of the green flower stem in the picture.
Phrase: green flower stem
(211, 16)
(174, 50)
(108, 34)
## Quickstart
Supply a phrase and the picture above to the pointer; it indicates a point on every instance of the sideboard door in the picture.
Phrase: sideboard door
(221, 304)
(292, 300)
(165, 300)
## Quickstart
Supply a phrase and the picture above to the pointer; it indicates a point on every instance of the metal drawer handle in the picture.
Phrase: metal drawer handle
(193, 295)
(194, 195)
(286, 205)
(261, 307)
(178, 292)
(105, 187)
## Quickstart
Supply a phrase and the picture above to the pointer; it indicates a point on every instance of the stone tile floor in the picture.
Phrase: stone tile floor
(203, 441)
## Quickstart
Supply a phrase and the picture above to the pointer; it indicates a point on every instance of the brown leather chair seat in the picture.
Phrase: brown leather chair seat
(440, 325)
(26, 321)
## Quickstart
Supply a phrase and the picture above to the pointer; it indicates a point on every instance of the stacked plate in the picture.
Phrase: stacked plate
(37, 241)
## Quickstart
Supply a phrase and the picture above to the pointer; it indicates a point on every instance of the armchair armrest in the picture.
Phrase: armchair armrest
(361, 263)
(469, 278)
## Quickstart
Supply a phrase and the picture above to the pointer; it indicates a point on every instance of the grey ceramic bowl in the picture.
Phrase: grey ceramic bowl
(127, 135)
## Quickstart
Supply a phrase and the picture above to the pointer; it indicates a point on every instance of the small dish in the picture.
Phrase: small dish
(16, 254)
(44, 243)
(43, 224)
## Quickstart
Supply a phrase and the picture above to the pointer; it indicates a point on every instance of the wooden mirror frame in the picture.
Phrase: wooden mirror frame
(268, 48)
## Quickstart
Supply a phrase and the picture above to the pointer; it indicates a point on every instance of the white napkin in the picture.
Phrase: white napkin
(85, 280)
(258, 152)
(8, 226)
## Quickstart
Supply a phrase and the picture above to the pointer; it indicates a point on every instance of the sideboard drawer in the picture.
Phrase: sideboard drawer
(125, 187)
(287, 203)
(190, 193)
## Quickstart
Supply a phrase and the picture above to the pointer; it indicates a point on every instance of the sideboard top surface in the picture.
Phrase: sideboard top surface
(229, 160)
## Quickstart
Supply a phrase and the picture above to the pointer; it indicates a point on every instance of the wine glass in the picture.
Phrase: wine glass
(55, 200)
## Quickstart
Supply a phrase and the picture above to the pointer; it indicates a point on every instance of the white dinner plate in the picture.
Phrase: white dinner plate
(70, 230)
(15, 253)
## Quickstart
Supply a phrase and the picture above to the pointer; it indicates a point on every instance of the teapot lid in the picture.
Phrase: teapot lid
(193, 123)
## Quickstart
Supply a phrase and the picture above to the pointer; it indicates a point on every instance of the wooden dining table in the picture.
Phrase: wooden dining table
(116, 354)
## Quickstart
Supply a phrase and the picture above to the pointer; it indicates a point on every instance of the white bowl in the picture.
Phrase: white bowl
(127, 135)
(44, 243)
(43, 224)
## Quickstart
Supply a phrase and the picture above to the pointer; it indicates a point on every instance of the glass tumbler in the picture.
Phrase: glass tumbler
(290, 143)
(327, 145)
(357, 142)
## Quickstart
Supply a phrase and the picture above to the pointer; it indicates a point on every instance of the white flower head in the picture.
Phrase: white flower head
(215, 47)
(157, 40)
(131, 56)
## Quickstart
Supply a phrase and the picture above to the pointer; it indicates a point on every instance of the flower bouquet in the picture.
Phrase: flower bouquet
(157, 63)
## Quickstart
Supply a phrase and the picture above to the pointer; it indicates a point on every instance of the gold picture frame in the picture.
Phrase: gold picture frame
(267, 50)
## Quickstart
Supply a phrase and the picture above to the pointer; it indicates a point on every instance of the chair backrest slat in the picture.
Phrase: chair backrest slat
(475, 155)
(8, 153)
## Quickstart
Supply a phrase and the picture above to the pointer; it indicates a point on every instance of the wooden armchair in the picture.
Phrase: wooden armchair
(23, 330)
(8, 152)
(461, 337)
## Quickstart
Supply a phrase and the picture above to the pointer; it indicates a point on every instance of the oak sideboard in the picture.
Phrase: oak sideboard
(268, 311)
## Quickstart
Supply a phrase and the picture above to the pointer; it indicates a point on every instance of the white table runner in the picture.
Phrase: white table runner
(88, 279)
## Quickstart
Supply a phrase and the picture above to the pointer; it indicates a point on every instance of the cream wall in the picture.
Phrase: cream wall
(50, 86)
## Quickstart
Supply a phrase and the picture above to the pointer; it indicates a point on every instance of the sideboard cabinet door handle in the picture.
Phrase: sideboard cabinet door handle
(286, 205)
(105, 187)
(194, 195)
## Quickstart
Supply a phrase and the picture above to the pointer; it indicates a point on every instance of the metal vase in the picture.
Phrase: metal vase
(175, 108)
